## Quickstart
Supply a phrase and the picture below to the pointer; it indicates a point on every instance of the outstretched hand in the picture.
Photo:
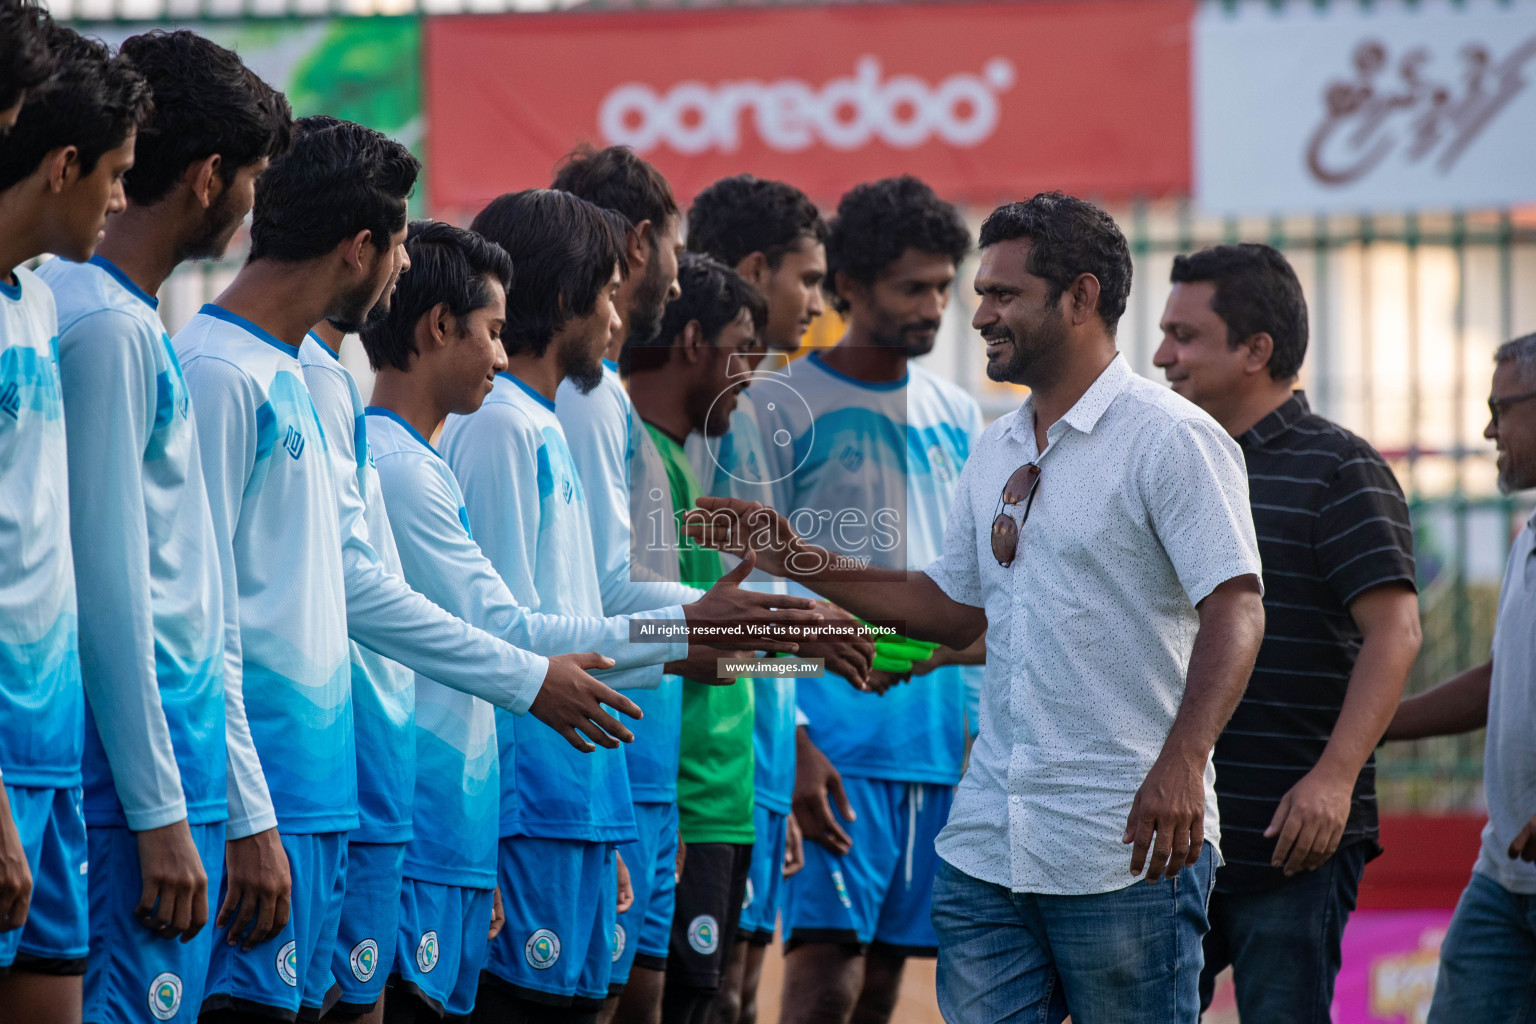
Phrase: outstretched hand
(737, 527)
(727, 604)
(571, 703)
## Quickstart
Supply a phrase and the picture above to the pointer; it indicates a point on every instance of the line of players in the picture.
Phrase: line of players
(289, 690)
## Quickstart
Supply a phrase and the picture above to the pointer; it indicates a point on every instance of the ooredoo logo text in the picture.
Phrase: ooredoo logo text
(790, 115)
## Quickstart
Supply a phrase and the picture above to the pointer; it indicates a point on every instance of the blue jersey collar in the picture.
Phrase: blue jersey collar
(11, 291)
(324, 347)
(116, 273)
(259, 333)
(379, 410)
(546, 403)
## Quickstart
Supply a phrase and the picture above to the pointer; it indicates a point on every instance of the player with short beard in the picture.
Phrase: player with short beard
(326, 242)
(61, 171)
(860, 906)
(774, 238)
(152, 635)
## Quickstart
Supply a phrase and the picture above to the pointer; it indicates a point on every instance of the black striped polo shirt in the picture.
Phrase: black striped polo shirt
(1331, 524)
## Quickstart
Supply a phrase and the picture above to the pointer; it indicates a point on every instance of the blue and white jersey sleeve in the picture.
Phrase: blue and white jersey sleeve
(427, 515)
(151, 630)
(383, 613)
(273, 499)
(41, 703)
(605, 438)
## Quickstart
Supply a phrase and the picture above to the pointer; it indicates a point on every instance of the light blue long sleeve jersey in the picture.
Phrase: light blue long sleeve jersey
(41, 705)
(394, 630)
(152, 636)
(273, 498)
(527, 511)
(735, 465)
(457, 781)
(629, 509)
(870, 471)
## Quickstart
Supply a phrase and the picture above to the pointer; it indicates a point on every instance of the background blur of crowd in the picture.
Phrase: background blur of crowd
(1384, 148)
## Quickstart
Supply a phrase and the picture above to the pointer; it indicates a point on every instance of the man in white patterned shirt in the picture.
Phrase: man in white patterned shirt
(1102, 533)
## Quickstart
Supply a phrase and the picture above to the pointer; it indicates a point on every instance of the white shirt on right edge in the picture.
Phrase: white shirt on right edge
(1142, 510)
(1509, 755)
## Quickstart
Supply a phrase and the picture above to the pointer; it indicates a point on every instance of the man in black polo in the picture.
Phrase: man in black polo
(1295, 777)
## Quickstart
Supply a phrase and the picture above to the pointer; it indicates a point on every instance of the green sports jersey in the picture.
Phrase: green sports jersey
(714, 774)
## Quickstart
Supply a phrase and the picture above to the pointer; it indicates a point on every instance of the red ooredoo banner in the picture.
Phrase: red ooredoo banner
(985, 101)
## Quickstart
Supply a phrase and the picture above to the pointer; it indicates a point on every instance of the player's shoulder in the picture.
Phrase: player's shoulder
(961, 404)
(35, 299)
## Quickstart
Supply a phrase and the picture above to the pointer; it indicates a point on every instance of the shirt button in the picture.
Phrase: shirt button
(1015, 798)
(1017, 600)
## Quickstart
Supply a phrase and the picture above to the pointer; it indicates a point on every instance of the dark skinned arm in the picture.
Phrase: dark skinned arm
(1167, 821)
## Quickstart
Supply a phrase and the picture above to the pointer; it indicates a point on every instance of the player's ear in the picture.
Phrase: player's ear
(754, 269)
(441, 325)
(691, 341)
(637, 245)
(61, 168)
(203, 178)
(352, 249)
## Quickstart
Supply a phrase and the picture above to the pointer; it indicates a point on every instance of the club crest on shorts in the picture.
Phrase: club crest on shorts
(165, 995)
(618, 942)
(746, 900)
(542, 949)
(842, 890)
(427, 952)
(288, 964)
(365, 960)
(704, 934)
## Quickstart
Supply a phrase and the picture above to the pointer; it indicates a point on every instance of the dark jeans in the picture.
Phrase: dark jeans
(1284, 944)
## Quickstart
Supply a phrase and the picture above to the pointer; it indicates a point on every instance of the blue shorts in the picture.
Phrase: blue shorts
(442, 937)
(132, 974)
(55, 939)
(642, 931)
(559, 896)
(365, 940)
(293, 967)
(880, 891)
(765, 879)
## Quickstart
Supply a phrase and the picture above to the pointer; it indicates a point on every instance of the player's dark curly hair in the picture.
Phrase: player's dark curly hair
(206, 102)
(878, 221)
(713, 294)
(337, 178)
(1257, 292)
(735, 217)
(564, 250)
(448, 264)
(92, 101)
(1069, 237)
(616, 179)
(25, 60)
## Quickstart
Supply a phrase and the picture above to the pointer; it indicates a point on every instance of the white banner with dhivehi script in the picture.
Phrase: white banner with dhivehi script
(1353, 107)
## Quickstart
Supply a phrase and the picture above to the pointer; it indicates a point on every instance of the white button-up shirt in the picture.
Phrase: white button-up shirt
(1141, 511)
(1509, 756)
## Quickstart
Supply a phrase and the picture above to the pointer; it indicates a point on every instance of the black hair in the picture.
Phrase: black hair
(1069, 237)
(565, 250)
(338, 178)
(735, 217)
(92, 101)
(713, 294)
(206, 102)
(25, 59)
(448, 264)
(616, 179)
(1257, 292)
(878, 221)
